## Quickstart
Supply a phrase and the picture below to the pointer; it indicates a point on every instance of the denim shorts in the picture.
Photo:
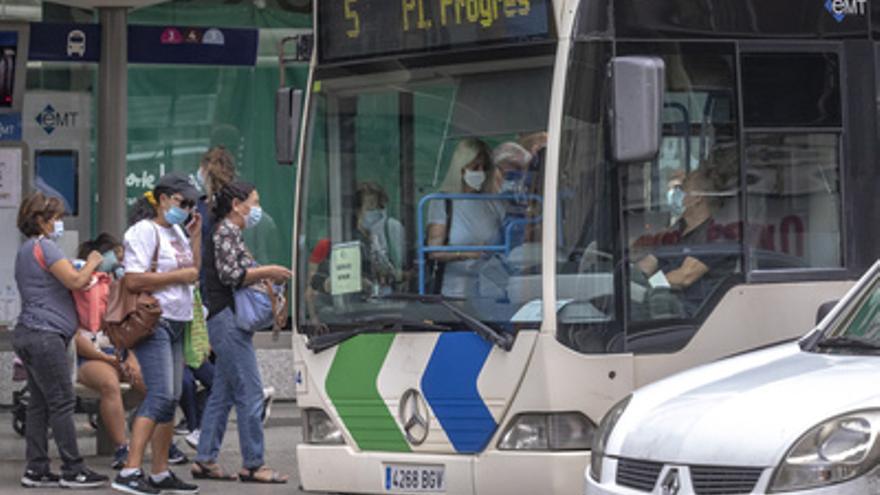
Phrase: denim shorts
(161, 361)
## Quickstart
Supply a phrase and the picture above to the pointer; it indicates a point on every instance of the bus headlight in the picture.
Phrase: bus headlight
(548, 431)
(837, 450)
(606, 426)
(319, 429)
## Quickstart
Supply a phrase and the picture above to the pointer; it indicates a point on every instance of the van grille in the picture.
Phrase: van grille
(706, 480)
(638, 475)
(718, 480)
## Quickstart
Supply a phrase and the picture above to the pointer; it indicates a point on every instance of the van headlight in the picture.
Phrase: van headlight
(548, 431)
(319, 429)
(600, 442)
(835, 451)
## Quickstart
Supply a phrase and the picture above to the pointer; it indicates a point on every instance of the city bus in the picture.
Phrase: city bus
(512, 213)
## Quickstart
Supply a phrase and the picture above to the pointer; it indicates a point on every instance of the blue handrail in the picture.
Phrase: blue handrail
(498, 248)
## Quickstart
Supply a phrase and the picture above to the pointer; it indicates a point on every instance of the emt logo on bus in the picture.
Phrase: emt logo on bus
(842, 8)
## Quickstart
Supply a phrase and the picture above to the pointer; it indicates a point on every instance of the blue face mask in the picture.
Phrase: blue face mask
(253, 217)
(108, 263)
(176, 215)
(675, 198)
(372, 217)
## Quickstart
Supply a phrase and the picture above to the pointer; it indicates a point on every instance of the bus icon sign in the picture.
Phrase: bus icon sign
(76, 43)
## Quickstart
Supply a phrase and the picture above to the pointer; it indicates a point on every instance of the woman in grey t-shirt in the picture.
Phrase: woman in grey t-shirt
(474, 222)
(45, 326)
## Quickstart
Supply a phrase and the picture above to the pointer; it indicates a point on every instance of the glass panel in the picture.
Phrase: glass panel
(794, 200)
(379, 147)
(791, 89)
(682, 211)
(585, 286)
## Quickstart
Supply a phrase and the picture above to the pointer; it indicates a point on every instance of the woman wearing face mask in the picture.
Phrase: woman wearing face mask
(465, 222)
(229, 266)
(156, 229)
(381, 234)
(45, 327)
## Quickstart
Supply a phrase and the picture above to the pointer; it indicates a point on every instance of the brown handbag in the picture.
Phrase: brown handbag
(131, 316)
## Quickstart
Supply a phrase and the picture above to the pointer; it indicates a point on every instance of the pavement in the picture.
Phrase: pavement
(283, 432)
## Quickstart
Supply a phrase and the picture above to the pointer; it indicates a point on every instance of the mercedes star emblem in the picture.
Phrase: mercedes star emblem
(414, 417)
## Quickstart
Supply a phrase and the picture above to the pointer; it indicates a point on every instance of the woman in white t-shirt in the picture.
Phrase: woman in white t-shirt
(473, 223)
(156, 230)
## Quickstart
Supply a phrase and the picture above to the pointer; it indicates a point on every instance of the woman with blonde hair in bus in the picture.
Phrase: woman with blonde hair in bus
(464, 222)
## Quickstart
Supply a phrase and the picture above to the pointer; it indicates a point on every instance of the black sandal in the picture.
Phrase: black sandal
(275, 479)
(207, 473)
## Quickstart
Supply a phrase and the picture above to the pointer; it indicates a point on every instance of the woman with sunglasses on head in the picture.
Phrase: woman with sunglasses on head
(155, 230)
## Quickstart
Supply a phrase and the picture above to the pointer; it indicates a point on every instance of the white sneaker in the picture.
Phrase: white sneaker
(268, 396)
(192, 439)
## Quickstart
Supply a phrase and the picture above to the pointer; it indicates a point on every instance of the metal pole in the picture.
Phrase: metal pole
(112, 120)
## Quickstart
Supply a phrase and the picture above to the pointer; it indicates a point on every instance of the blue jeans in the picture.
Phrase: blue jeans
(52, 401)
(190, 404)
(236, 382)
(161, 360)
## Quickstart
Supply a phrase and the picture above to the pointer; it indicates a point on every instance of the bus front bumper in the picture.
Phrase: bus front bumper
(342, 469)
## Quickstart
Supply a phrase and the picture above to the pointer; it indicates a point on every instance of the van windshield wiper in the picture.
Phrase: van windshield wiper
(847, 342)
(323, 342)
(502, 340)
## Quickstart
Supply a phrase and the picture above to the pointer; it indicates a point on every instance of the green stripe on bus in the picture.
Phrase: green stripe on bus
(352, 387)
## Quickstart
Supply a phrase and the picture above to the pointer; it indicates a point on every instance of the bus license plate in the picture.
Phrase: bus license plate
(410, 478)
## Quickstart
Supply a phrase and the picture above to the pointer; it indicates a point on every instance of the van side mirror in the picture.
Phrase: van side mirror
(288, 107)
(824, 309)
(637, 107)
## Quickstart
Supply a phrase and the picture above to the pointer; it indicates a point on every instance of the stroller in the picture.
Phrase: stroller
(21, 397)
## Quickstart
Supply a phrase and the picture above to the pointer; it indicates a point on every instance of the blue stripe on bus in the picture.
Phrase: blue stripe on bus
(450, 387)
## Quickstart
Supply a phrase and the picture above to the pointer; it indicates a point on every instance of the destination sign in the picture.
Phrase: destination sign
(351, 29)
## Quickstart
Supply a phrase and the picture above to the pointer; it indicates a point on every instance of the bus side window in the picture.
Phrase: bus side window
(792, 168)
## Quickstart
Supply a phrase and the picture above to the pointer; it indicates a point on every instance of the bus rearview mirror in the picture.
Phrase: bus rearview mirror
(637, 107)
(288, 107)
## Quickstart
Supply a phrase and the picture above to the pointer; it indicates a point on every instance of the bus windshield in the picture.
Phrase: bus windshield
(424, 181)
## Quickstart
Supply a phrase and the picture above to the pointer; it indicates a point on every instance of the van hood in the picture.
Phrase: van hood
(744, 411)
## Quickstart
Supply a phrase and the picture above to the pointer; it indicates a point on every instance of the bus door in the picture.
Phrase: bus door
(396, 162)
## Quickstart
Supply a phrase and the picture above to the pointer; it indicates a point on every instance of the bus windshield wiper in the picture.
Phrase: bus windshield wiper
(319, 343)
(502, 340)
(847, 342)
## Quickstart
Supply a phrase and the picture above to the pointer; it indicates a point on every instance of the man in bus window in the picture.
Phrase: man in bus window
(692, 266)
(381, 240)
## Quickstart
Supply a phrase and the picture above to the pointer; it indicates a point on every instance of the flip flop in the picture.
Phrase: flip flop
(275, 479)
(210, 473)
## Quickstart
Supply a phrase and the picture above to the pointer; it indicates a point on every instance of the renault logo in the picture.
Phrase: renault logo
(671, 484)
(414, 417)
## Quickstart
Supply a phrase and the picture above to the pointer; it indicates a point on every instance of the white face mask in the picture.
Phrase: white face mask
(474, 179)
(57, 230)
(372, 217)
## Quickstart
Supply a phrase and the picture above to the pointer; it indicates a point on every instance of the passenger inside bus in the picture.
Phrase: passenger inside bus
(381, 242)
(519, 174)
(693, 266)
(464, 222)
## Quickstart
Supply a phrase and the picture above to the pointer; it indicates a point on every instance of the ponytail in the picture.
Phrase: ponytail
(222, 201)
(147, 206)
